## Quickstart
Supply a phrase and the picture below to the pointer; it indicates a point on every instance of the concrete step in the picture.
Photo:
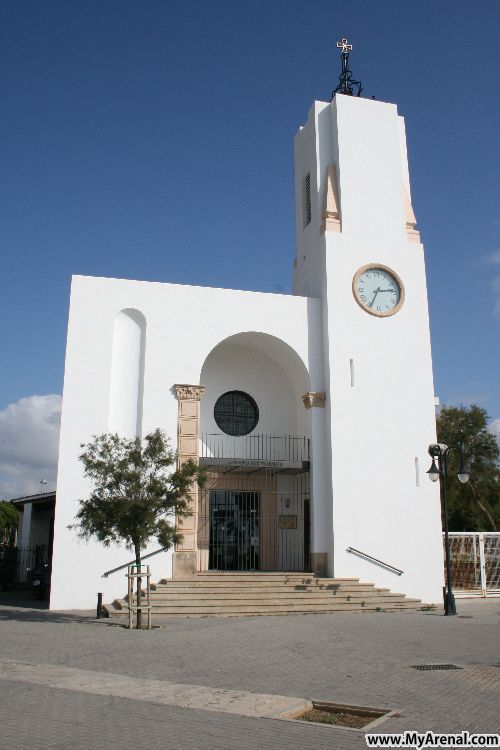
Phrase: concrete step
(261, 578)
(233, 610)
(241, 594)
(182, 599)
(254, 585)
(287, 590)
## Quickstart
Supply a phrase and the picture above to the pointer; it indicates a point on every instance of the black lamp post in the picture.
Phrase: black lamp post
(439, 452)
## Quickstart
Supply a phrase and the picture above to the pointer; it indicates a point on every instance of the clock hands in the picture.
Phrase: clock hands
(370, 304)
(378, 290)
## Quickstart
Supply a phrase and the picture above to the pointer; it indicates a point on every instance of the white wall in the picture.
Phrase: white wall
(243, 367)
(379, 426)
(184, 324)
(127, 373)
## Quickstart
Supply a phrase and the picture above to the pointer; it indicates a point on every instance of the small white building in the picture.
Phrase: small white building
(313, 411)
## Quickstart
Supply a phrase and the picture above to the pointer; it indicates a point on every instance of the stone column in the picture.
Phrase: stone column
(188, 431)
(315, 400)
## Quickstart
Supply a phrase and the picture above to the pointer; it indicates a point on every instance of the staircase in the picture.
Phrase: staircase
(240, 594)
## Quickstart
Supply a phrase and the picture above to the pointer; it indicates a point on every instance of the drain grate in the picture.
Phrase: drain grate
(425, 667)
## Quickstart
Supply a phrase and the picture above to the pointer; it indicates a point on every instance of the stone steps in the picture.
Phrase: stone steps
(240, 594)
(257, 609)
(262, 579)
(209, 588)
(273, 596)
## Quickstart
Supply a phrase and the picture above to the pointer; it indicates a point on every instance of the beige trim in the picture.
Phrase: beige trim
(411, 221)
(314, 398)
(188, 429)
(369, 310)
(189, 392)
(331, 212)
(183, 564)
(319, 562)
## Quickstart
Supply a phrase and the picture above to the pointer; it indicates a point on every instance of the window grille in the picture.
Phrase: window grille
(307, 199)
(236, 413)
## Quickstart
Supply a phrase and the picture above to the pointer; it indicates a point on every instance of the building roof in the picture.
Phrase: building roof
(40, 497)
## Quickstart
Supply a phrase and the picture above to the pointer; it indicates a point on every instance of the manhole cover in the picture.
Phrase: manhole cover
(425, 667)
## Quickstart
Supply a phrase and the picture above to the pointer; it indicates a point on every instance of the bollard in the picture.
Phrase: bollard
(99, 606)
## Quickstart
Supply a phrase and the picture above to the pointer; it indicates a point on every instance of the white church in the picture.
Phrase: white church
(312, 412)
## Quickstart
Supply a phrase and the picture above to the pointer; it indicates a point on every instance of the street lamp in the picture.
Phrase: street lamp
(439, 452)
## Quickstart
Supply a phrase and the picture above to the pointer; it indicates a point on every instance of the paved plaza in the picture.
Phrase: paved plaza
(68, 680)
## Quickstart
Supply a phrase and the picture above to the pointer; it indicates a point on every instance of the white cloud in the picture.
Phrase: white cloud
(29, 441)
(494, 427)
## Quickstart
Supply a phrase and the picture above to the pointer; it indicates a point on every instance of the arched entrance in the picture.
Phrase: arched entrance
(254, 512)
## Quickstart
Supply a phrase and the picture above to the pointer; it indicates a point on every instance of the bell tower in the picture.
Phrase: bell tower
(359, 251)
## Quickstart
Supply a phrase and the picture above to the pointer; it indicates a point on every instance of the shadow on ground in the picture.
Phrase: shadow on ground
(22, 606)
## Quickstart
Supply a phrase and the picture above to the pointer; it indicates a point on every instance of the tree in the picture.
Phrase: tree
(474, 506)
(9, 520)
(136, 494)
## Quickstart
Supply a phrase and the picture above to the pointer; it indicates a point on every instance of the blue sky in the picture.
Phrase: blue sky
(140, 138)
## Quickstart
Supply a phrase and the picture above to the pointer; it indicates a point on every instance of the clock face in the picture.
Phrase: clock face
(378, 290)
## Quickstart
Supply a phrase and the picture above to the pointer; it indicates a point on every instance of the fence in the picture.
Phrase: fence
(475, 563)
(17, 564)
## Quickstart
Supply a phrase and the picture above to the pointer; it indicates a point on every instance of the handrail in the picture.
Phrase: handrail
(132, 562)
(370, 558)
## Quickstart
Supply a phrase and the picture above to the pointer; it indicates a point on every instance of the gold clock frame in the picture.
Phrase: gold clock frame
(382, 267)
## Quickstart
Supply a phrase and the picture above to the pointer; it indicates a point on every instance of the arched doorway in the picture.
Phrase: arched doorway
(254, 512)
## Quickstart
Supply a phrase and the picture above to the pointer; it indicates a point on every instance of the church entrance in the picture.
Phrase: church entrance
(254, 512)
(234, 530)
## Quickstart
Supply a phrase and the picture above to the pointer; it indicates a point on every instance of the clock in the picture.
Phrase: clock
(378, 290)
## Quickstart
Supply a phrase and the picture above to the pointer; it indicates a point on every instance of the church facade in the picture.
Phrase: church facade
(312, 412)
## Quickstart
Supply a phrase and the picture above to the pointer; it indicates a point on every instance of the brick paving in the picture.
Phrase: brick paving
(361, 659)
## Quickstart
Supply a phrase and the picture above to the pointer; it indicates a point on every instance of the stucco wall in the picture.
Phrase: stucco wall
(236, 366)
(383, 421)
(184, 324)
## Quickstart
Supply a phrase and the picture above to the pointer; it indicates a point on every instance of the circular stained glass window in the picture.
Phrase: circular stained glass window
(236, 413)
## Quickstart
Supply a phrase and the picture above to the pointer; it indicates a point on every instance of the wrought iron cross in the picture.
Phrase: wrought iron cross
(342, 44)
(347, 85)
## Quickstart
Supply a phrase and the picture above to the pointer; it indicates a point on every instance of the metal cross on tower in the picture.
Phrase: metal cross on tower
(347, 85)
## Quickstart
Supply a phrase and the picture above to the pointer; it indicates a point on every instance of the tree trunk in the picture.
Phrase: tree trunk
(475, 492)
(137, 548)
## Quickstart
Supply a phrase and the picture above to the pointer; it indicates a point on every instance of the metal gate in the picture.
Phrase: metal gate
(234, 530)
(475, 563)
(254, 512)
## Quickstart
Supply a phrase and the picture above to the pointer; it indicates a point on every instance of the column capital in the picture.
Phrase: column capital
(189, 392)
(314, 398)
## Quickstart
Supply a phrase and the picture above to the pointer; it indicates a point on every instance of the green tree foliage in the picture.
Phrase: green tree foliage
(136, 494)
(474, 506)
(9, 519)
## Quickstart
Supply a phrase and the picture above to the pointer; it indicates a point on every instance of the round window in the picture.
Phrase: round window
(236, 413)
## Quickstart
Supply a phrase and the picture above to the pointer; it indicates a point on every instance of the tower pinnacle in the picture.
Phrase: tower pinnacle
(347, 85)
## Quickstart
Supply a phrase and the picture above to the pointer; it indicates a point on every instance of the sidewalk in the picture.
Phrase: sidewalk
(360, 659)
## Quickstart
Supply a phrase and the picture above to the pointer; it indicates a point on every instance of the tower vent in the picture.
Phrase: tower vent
(307, 199)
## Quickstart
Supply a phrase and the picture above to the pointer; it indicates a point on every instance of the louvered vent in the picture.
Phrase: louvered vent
(307, 200)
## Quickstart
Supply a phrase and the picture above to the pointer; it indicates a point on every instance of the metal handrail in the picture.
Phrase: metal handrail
(370, 558)
(132, 562)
